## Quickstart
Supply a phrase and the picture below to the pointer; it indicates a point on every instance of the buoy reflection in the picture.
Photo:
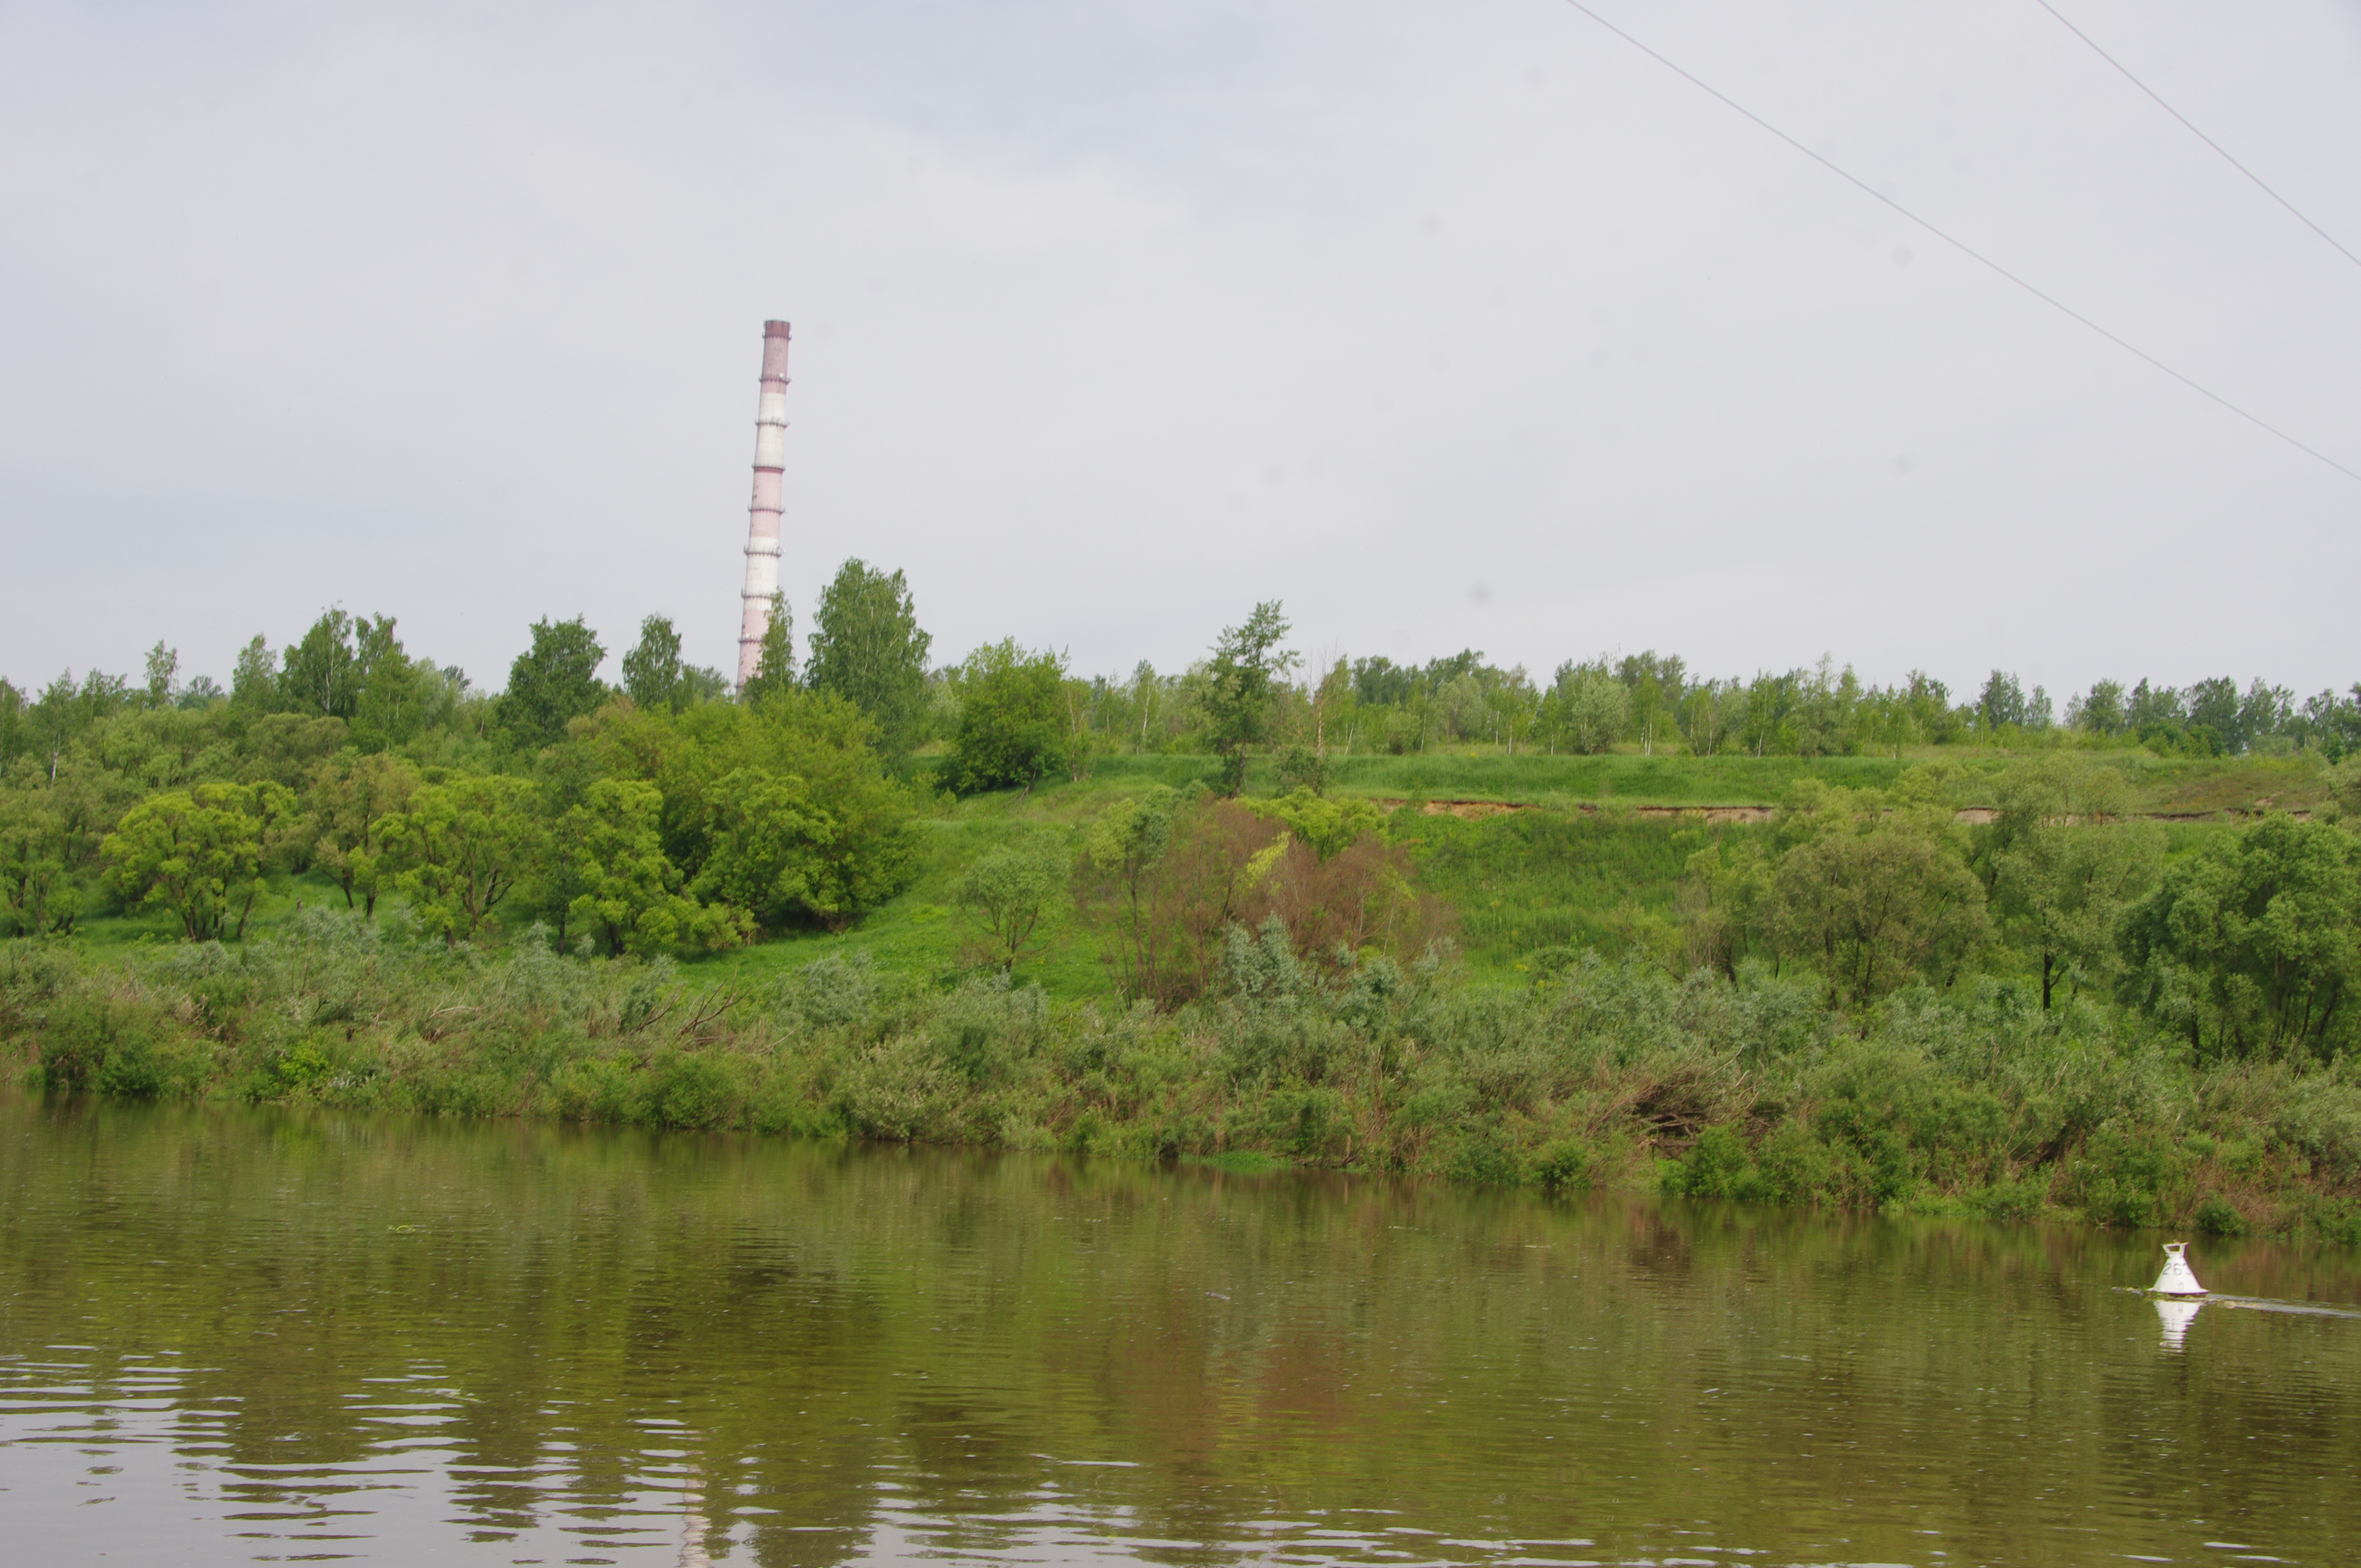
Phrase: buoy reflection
(2176, 1316)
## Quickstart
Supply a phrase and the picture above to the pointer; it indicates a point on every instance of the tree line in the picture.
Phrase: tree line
(1033, 713)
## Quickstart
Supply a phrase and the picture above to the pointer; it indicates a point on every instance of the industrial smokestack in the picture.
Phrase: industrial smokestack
(763, 515)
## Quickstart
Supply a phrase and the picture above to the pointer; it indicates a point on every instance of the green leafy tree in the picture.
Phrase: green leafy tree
(1514, 707)
(867, 648)
(653, 671)
(1586, 709)
(1723, 903)
(350, 797)
(1083, 740)
(1887, 720)
(1301, 767)
(784, 808)
(768, 852)
(395, 695)
(163, 684)
(254, 678)
(2253, 944)
(2100, 711)
(1012, 723)
(284, 747)
(1326, 828)
(1656, 683)
(1007, 893)
(16, 728)
(37, 896)
(321, 676)
(198, 853)
(460, 850)
(1875, 894)
(1122, 849)
(1709, 715)
(1241, 685)
(632, 894)
(774, 662)
(552, 682)
(2060, 873)
(1335, 709)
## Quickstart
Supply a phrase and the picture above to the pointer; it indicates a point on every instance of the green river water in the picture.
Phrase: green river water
(235, 1335)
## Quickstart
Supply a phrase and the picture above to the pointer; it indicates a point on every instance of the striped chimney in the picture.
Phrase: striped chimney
(763, 515)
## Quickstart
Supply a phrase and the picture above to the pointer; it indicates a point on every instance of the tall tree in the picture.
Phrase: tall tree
(1586, 709)
(321, 676)
(868, 648)
(163, 668)
(1656, 684)
(652, 672)
(1242, 680)
(393, 693)
(2001, 702)
(555, 680)
(2100, 710)
(254, 678)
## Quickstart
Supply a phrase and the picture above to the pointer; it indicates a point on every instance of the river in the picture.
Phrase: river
(232, 1335)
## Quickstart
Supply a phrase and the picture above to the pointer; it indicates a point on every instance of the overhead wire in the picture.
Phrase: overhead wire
(2190, 125)
(1963, 248)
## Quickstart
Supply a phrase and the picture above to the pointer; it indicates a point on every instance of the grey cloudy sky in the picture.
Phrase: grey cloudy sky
(1448, 323)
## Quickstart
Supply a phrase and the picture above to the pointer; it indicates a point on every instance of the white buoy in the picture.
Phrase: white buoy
(2176, 1279)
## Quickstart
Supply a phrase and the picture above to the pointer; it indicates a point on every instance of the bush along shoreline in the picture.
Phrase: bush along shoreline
(1726, 1084)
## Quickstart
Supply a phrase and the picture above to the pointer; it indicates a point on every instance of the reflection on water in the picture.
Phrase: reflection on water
(232, 1335)
(2176, 1316)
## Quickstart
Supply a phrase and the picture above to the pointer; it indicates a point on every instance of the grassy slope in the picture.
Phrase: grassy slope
(2159, 785)
(1518, 881)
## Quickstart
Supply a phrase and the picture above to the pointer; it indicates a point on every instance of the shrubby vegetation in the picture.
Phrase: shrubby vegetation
(1976, 1101)
(1963, 969)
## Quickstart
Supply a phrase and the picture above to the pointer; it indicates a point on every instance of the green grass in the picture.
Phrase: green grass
(1540, 879)
(1632, 780)
(104, 936)
(2160, 784)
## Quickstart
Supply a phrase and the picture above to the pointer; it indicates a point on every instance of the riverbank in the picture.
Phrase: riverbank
(1592, 1074)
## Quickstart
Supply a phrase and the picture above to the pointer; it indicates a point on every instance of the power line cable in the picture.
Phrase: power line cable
(2191, 126)
(1963, 248)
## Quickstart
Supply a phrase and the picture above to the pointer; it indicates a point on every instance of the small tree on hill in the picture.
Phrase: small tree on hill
(1241, 682)
(1007, 893)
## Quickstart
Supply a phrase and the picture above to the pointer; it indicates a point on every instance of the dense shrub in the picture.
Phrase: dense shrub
(1977, 1099)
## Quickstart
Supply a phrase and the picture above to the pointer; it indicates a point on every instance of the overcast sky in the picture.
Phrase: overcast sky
(1446, 322)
